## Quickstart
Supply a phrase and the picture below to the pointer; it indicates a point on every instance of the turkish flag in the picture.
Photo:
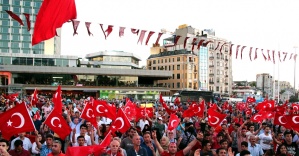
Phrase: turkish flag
(130, 109)
(143, 112)
(58, 124)
(225, 105)
(267, 105)
(248, 111)
(16, 120)
(177, 101)
(250, 100)
(293, 121)
(52, 15)
(188, 113)
(173, 122)
(85, 150)
(121, 122)
(241, 106)
(102, 108)
(107, 140)
(88, 114)
(215, 118)
(57, 100)
(12, 97)
(280, 119)
(260, 116)
(169, 111)
(295, 107)
(34, 97)
(280, 109)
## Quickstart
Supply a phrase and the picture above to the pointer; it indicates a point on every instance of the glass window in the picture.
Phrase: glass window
(178, 67)
(4, 44)
(26, 38)
(26, 51)
(178, 76)
(178, 59)
(22, 60)
(29, 61)
(4, 50)
(15, 30)
(15, 60)
(6, 60)
(26, 45)
(178, 85)
(17, 9)
(5, 23)
(37, 62)
(15, 50)
(4, 29)
(15, 45)
(27, 3)
(15, 37)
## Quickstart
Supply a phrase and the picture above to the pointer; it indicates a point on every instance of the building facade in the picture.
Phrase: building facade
(264, 82)
(204, 68)
(15, 38)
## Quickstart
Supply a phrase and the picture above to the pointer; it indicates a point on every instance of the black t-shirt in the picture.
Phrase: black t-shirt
(291, 148)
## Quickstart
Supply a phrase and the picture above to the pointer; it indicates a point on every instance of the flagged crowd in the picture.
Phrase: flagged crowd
(42, 126)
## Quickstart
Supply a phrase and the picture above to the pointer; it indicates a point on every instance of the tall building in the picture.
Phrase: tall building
(192, 70)
(264, 82)
(17, 39)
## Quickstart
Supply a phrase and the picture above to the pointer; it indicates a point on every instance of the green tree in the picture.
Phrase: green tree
(282, 91)
(294, 99)
(253, 84)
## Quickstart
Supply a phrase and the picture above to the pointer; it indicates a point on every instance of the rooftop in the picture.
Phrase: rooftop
(112, 53)
(170, 53)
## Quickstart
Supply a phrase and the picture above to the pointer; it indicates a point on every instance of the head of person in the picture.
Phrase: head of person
(243, 131)
(22, 135)
(245, 153)
(206, 145)
(81, 140)
(147, 137)
(221, 152)
(252, 139)
(4, 144)
(219, 137)
(114, 146)
(282, 149)
(224, 125)
(288, 137)
(83, 129)
(18, 145)
(56, 147)
(88, 124)
(132, 132)
(264, 124)
(224, 144)
(49, 139)
(160, 120)
(279, 135)
(77, 114)
(164, 141)
(100, 139)
(207, 136)
(251, 128)
(269, 152)
(244, 145)
(267, 129)
(172, 148)
(237, 125)
(76, 120)
(136, 140)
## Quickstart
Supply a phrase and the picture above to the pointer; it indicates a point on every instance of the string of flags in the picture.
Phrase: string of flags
(269, 55)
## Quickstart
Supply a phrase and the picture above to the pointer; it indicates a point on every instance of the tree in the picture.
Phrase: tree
(282, 91)
(294, 99)
(253, 84)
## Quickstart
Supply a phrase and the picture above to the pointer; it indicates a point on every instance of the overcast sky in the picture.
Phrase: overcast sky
(267, 24)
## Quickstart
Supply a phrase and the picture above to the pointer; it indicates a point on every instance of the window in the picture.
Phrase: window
(154, 61)
(15, 50)
(27, 4)
(172, 59)
(172, 76)
(172, 67)
(178, 67)
(161, 60)
(158, 61)
(169, 68)
(165, 67)
(154, 68)
(217, 88)
(15, 45)
(165, 60)
(4, 29)
(178, 76)
(169, 60)
(178, 59)
(4, 44)
(178, 85)
(17, 9)
(172, 85)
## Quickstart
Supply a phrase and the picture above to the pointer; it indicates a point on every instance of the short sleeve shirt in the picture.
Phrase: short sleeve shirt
(179, 153)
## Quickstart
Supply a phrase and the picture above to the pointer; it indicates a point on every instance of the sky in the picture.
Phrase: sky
(267, 24)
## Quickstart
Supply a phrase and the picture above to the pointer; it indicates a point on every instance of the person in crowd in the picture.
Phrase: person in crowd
(27, 145)
(44, 149)
(35, 150)
(221, 152)
(83, 132)
(244, 147)
(56, 149)
(291, 146)
(4, 146)
(137, 150)
(254, 148)
(266, 139)
(148, 144)
(19, 150)
(282, 150)
(127, 142)
(115, 149)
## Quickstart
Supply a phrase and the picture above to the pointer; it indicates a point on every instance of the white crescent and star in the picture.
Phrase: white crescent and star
(279, 119)
(217, 120)
(171, 123)
(295, 107)
(122, 122)
(9, 123)
(87, 113)
(258, 115)
(294, 119)
(52, 121)
(98, 109)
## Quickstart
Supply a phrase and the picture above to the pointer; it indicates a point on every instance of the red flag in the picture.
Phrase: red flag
(193, 44)
(293, 121)
(248, 111)
(231, 50)
(52, 15)
(101, 25)
(280, 119)
(259, 117)
(16, 120)
(27, 16)
(102, 108)
(85, 150)
(141, 36)
(273, 56)
(280, 109)
(222, 46)
(12, 97)
(269, 57)
(34, 97)
(130, 109)
(57, 100)
(158, 38)
(107, 140)
(135, 31)
(237, 50)
(185, 41)
(264, 54)
(58, 124)
(177, 100)
(291, 56)
(279, 56)
(75, 26)
(143, 112)
(285, 55)
(200, 43)
(250, 51)
(169, 111)
(295, 107)
(242, 51)
(109, 30)
(176, 39)
(87, 24)
(173, 122)
(149, 36)
(255, 55)
(88, 114)
(241, 106)
(215, 118)
(206, 43)
(250, 99)
(217, 45)
(267, 105)
(121, 123)
(121, 31)
(14, 16)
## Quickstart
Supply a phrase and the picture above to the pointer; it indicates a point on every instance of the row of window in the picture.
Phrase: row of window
(23, 51)
(178, 59)
(178, 67)
(33, 61)
(219, 89)
(17, 45)
(180, 85)
(14, 30)
(21, 3)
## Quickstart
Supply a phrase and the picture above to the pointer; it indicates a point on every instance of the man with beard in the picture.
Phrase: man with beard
(172, 147)
(148, 145)
(127, 143)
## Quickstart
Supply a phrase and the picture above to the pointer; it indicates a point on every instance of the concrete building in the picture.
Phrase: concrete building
(16, 39)
(203, 69)
(264, 82)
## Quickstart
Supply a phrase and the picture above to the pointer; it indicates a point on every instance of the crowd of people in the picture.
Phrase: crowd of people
(150, 136)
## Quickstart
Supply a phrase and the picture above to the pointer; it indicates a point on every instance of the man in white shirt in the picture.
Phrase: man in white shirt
(27, 145)
(266, 139)
(83, 130)
(143, 122)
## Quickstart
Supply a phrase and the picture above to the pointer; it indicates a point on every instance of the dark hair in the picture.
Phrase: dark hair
(269, 152)
(222, 141)
(237, 124)
(218, 150)
(49, 136)
(5, 141)
(101, 137)
(83, 125)
(244, 152)
(18, 143)
(278, 149)
(205, 143)
(287, 132)
(244, 143)
(146, 132)
(80, 136)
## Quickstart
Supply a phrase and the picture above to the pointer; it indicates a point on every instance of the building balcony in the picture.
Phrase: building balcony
(211, 66)
(211, 57)
(226, 75)
(211, 74)
(211, 82)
